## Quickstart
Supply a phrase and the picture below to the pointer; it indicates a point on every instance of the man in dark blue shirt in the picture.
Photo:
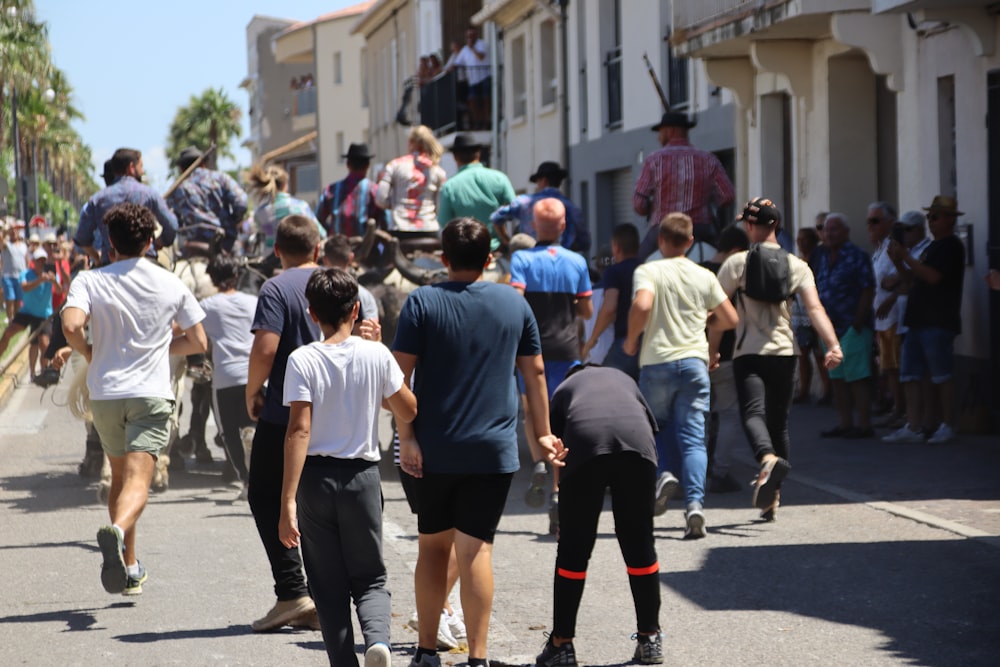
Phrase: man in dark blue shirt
(463, 338)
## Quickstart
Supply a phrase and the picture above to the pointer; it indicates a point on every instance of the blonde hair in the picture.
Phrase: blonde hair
(676, 229)
(423, 138)
(265, 182)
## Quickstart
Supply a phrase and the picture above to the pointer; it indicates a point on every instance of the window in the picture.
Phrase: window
(946, 135)
(307, 178)
(612, 38)
(547, 51)
(338, 74)
(677, 87)
(518, 72)
(341, 150)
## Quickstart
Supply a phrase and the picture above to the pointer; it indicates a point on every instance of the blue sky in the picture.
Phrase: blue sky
(131, 64)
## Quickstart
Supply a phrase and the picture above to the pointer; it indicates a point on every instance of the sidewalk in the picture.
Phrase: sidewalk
(955, 486)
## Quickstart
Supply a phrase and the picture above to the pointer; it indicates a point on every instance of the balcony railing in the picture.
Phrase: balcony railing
(691, 13)
(613, 71)
(447, 104)
(305, 101)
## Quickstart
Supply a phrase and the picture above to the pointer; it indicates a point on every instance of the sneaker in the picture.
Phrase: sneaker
(282, 613)
(904, 436)
(554, 514)
(114, 576)
(943, 434)
(445, 640)
(535, 495)
(648, 649)
(694, 517)
(134, 584)
(556, 656)
(768, 480)
(456, 627)
(307, 621)
(666, 488)
(378, 655)
(426, 661)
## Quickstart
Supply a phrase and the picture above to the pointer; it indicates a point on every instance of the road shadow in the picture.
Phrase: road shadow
(195, 633)
(76, 620)
(934, 601)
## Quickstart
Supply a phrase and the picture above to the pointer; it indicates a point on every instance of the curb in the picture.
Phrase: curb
(10, 380)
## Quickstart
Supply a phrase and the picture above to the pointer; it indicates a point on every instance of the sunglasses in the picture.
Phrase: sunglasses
(874, 221)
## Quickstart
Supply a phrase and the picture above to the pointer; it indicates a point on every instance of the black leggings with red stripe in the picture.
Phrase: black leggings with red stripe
(632, 480)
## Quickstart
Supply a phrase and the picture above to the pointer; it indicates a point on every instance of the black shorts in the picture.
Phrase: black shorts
(29, 321)
(410, 486)
(471, 504)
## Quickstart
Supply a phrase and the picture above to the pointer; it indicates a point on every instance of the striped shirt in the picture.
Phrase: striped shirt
(680, 177)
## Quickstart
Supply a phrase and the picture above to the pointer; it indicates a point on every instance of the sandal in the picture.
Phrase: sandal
(769, 478)
(770, 513)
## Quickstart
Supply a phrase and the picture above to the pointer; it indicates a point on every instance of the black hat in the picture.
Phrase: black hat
(188, 155)
(760, 211)
(465, 142)
(358, 152)
(675, 119)
(109, 170)
(548, 170)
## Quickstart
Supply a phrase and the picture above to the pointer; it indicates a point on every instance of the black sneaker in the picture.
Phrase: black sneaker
(535, 495)
(114, 576)
(648, 649)
(556, 656)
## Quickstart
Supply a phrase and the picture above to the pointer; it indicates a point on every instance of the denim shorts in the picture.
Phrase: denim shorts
(133, 424)
(555, 372)
(12, 289)
(927, 350)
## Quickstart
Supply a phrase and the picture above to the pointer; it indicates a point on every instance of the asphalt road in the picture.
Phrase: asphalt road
(878, 558)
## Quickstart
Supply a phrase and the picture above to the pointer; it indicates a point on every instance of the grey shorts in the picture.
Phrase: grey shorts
(133, 424)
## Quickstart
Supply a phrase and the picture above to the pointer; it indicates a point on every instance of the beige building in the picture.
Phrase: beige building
(330, 104)
(843, 102)
(396, 34)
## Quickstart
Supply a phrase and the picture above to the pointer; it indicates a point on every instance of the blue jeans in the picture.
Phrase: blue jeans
(616, 358)
(678, 395)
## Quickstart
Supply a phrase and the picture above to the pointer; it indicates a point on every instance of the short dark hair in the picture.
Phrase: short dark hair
(130, 228)
(467, 155)
(811, 235)
(331, 294)
(124, 157)
(224, 271)
(337, 250)
(358, 163)
(733, 238)
(626, 235)
(466, 244)
(676, 229)
(296, 236)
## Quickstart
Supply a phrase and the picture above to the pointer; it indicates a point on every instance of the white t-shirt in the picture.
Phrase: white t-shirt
(132, 304)
(345, 383)
(915, 253)
(228, 323)
(607, 337)
(883, 269)
(477, 69)
(14, 258)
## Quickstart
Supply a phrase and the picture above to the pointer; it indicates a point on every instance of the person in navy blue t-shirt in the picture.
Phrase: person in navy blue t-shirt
(462, 339)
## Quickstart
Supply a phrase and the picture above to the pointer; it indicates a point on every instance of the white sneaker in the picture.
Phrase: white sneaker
(445, 639)
(455, 626)
(378, 655)
(904, 435)
(943, 434)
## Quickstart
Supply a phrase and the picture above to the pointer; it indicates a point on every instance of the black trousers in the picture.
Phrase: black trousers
(267, 467)
(632, 480)
(764, 386)
(231, 408)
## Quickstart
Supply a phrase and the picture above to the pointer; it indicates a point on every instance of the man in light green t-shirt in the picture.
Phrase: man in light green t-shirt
(672, 302)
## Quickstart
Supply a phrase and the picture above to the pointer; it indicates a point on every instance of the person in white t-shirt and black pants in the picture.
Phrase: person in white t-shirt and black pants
(331, 495)
(139, 315)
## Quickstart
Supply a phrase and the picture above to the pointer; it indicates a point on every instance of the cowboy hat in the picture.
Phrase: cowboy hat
(675, 119)
(944, 204)
(548, 170)
(358, 152)
(465, 142)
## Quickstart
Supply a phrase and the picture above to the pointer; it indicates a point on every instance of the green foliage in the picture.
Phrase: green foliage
(208, 118)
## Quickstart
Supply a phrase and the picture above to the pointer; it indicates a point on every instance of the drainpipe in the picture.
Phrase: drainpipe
(494, 102)
(563, 33)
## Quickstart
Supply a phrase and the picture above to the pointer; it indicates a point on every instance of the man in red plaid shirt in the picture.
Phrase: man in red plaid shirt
(679, 178)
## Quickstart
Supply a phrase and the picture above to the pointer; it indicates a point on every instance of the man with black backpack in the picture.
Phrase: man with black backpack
(762, 280)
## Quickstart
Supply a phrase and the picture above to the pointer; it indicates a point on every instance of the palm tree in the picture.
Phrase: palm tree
(211, 118)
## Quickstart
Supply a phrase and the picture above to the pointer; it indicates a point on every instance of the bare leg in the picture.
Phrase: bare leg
(947, 393)
(824, 376)
(805, 377)
(130, 478)
(475, 562)
(912, 390)
(8, 333)
(861, 392)
(842, 399)
(529, 432)
(430, 583)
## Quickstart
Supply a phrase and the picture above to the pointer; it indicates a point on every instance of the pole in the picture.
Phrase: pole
(34, 172)
(564, 56)
(20, 208)
(656, 82)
